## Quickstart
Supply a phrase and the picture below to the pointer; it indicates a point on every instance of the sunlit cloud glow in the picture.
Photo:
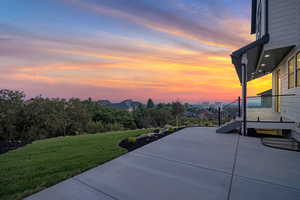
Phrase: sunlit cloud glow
(118, 50)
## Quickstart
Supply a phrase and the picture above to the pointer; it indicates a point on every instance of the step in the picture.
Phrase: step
(229, 127)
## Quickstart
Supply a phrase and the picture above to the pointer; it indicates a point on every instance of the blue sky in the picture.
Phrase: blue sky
(117, 49)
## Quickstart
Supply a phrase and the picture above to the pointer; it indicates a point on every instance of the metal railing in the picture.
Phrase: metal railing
(264, 108)
(275, 108)
(229, 111)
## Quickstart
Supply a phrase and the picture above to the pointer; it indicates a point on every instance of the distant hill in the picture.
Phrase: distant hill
(104, 102)
(124, 105)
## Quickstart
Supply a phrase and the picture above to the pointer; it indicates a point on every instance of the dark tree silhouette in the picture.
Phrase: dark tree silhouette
(150, 104)
(177, 110)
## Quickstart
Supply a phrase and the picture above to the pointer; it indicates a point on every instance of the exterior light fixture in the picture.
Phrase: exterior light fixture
(263, 65)
(260, 70)
(267, 56)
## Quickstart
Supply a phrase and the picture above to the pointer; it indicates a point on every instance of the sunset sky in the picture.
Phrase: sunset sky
(124, 49)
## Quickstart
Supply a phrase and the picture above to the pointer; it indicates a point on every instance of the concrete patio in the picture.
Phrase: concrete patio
(192, 164)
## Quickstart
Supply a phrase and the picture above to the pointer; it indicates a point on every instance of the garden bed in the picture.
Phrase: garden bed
(6, 146)
(132, 143)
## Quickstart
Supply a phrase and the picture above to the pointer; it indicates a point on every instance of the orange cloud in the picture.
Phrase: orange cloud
(192, 67)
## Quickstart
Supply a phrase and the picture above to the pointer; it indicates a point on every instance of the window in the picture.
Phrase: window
(298, 70)
(291, 73)
(259, 21)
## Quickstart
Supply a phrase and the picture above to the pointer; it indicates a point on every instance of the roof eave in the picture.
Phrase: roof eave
(236, 55)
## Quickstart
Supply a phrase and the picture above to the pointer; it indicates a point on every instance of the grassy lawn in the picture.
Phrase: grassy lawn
(46, 162)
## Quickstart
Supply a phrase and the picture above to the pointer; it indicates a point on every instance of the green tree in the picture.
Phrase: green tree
(150, 103)
(40, 117)
(142, 117)
(11, 106)
(43, 118)
(177, 110)
(77, 116)
(161, 116)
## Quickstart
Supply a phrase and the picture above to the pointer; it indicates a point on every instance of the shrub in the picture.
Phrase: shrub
(98, 127)
(114, 127)
(171, 130)
(94, 127)
(132, 140)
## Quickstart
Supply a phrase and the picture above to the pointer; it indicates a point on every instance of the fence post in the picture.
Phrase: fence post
(219, 115)
(244, 91)
(239, 106)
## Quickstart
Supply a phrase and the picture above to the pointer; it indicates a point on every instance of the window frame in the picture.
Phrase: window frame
(259, 20)
(297, 69)
(291, 74)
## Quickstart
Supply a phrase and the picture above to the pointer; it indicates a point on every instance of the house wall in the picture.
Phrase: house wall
(290, 105)
(296, 132)
(261, 19)
(284, 23)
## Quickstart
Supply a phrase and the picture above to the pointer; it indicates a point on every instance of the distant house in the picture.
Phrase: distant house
(104, 102)
(266, 98)
(205, 104)
(217, 104)
(276, 51)
(205, 114)
(128, 104)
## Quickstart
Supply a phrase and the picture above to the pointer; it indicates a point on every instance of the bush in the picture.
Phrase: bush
(171, 130)
(114, 127)
(94, 127)
(39, 117)
(11, 107)
(132, 140)
(98, 127)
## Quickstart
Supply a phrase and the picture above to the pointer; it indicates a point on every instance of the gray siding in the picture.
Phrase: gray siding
(290, 106)
(298, 22)
(262, 25)
(284, 23)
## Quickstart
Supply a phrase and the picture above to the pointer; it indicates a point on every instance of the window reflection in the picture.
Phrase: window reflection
(298, 70)
(291, 73)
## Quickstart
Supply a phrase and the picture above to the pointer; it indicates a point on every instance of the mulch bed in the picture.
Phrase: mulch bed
(141, 141)
(130, 146)
(6, 146)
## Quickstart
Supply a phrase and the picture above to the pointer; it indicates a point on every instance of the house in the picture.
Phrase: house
(216, 105)
(266, 98)
(205, 104)
(128, 104)
(276, 51)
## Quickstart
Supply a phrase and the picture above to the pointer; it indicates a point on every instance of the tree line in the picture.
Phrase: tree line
(39, 117)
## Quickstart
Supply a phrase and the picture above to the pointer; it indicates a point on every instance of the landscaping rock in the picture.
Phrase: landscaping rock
(168, 126)
(156, 131)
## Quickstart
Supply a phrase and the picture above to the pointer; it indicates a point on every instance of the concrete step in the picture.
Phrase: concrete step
(229, 127)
